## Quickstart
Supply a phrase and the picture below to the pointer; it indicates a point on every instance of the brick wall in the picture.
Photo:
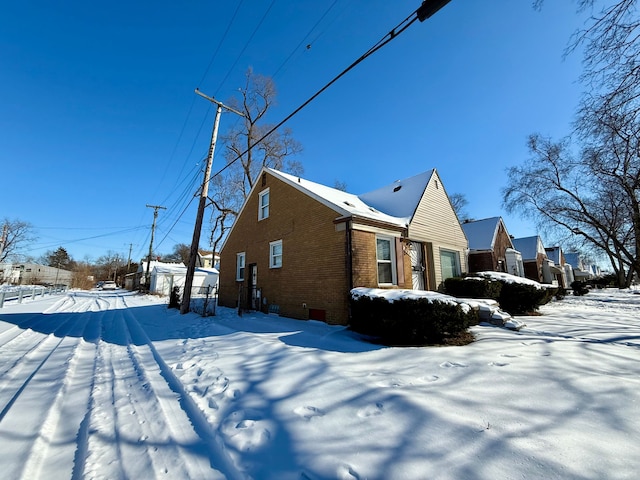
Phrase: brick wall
(314, 270)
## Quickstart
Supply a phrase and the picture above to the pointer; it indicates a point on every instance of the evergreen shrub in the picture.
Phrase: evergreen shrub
(579, 288)
(409, 321)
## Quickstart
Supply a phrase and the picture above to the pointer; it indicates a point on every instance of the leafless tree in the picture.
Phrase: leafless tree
(245, 157)
(15, 236)
(459, 203)
(576, 193)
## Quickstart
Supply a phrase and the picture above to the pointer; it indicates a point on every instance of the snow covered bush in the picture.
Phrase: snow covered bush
(409, 317)
(516, 295)
(473, 287)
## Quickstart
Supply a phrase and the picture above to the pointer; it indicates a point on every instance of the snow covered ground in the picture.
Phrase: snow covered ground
(114, 385)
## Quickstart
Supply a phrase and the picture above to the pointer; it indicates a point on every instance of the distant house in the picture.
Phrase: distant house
(580, 270)
(533, 256)
(538, 265)
(298, 247)
(34, 274)
(208, 259)
(490, 247)
(563, 272)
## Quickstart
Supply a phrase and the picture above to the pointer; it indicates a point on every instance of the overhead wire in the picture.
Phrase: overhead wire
(286, 60)
(255, 30)
(393, 34)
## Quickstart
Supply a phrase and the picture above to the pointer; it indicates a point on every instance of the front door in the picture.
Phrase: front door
(417, 265)
(254, 300)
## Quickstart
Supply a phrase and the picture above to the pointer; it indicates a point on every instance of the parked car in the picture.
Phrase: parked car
(109, 285)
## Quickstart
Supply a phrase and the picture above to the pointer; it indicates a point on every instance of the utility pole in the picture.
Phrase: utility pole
(153, 229)
(3, 238)
(129, 258)
(195, 242)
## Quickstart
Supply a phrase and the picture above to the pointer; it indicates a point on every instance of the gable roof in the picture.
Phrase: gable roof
(345, 204)
(482, 233)
(400, 198)
(527, 246)
(555, 254)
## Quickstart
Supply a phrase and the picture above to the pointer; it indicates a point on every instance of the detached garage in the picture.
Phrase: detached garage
(165, 277)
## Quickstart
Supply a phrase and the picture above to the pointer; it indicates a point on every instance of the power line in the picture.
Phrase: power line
(245, 47)
(224, 36)
(420, 14)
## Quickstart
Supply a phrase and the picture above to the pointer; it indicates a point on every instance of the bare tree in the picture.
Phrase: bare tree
(245, 157)
(459, 203)
(181, 252)
(556, 188)
(15, 237)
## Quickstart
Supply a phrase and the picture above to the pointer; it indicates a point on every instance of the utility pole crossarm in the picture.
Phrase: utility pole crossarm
(219, 103)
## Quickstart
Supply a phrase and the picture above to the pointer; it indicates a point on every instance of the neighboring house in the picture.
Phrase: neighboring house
(533, 257)
(298, 247)
(165, 277)
(581, 271)
(208, 259)
(490, 247)
(34, 274)
(563, 272)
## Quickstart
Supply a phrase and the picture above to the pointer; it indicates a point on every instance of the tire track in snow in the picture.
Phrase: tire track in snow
(36, 380)
(130, 432)
(193, 425)
(59, 439)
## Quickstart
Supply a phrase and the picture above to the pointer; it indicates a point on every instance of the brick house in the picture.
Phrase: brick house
(491, 248)
(534, 256)
(297, 247)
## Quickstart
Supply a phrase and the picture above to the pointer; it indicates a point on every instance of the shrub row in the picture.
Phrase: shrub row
(514, 297)
(409, 321)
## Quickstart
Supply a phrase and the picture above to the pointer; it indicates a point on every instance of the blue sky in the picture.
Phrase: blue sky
(99, 117)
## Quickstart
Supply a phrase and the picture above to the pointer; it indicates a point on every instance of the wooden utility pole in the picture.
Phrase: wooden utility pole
(195, 242)
(153, 229)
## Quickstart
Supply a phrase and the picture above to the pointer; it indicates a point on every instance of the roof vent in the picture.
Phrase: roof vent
(349, 204)
(397, 188)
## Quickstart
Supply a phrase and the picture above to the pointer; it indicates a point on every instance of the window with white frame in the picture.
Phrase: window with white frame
(275, 254)
(263, 205)
(385, 257)
(240, 263)
(449, 264)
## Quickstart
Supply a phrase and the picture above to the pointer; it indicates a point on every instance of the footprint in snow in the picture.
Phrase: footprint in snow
(371, 410)
(452, 365)
(391, 383)
(245, 434)
(308, 412)
(497, 364)
(346, 472)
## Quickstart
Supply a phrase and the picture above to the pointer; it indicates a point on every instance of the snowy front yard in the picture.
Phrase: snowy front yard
(112, 385)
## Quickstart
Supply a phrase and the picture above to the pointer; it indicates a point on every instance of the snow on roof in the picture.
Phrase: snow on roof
(573, 259)
(179, 269)
(154, 263)
(401, 198)
(344, 203)
(527, 246)
(481, 233)
(553, 253)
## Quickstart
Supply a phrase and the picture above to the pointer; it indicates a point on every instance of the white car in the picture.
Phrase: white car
(109, 285)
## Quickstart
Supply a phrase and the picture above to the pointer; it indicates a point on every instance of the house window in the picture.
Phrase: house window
(263, 206)
(275, 254)
(450, 264)
(385, 257)
(240, 262)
